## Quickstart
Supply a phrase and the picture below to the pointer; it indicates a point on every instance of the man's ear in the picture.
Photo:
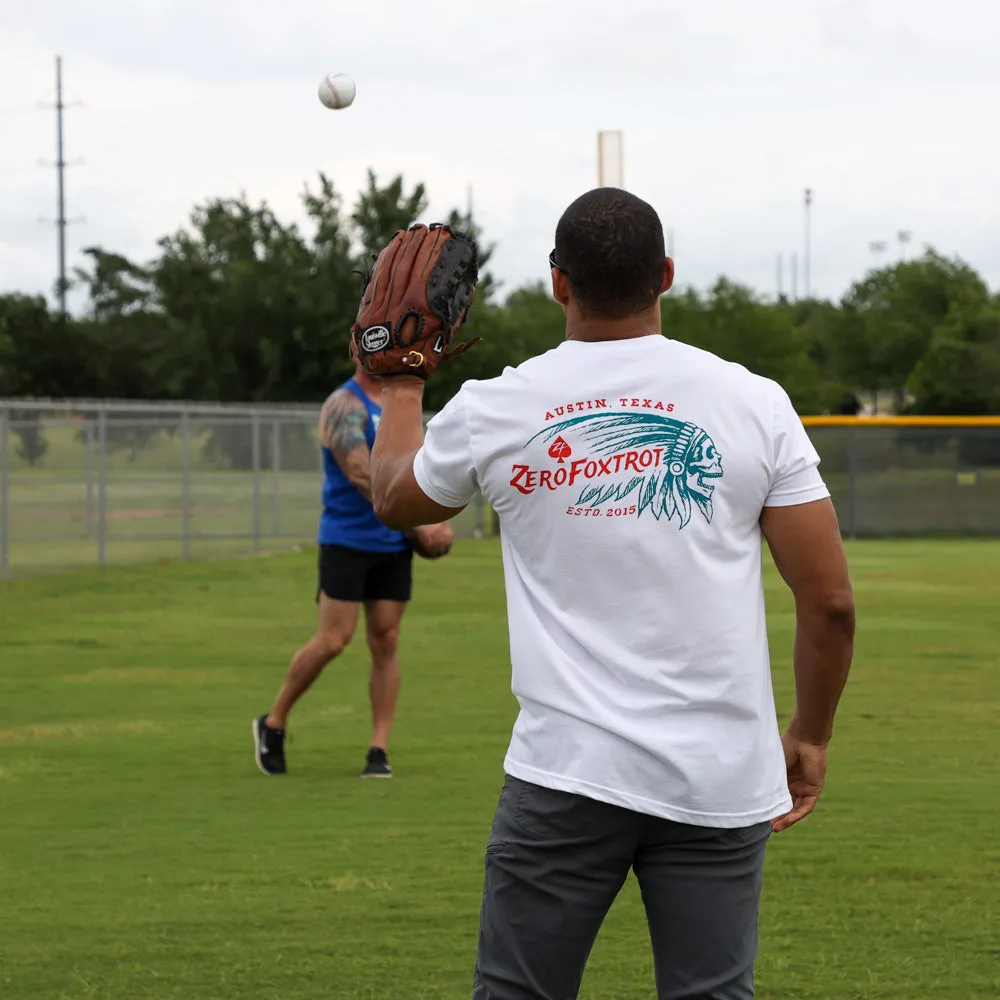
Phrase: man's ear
(668, 275)
(560, 287)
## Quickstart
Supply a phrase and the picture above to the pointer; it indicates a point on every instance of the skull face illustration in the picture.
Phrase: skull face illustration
(703, 463)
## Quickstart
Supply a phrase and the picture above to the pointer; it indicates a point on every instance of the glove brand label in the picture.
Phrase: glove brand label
(375, 338)
(657, 463)
(425, 278)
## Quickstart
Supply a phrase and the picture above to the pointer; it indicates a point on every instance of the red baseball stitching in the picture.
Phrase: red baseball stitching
(333, 89)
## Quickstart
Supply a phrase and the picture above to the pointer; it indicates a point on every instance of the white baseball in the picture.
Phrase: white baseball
(337, 90)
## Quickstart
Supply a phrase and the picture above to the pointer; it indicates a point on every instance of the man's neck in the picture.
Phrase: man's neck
(594, 329)
(371, 387)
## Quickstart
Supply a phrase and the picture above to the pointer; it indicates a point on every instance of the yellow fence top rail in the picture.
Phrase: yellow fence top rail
(901, 421)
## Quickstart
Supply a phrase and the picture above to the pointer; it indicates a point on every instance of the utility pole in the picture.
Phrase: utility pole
(781, 277)
(807, 247)
(60, 164)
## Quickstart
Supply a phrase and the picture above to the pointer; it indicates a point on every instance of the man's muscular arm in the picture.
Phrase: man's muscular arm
(342, 429)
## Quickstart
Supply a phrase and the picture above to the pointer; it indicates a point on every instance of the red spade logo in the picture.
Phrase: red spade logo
(560, 450)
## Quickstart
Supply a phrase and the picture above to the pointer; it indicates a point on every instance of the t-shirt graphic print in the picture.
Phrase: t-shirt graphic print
(627, 463)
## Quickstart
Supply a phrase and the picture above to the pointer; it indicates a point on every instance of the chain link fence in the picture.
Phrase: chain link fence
(908, 476)
(91, 482)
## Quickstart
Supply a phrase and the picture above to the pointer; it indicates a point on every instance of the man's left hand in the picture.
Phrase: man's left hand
(414, 302)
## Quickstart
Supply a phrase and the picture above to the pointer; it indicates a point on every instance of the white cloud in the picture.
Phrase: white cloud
(729, 110)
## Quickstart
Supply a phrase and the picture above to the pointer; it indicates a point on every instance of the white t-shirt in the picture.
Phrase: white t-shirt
(629, 479)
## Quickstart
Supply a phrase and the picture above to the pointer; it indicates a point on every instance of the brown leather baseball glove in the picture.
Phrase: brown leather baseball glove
(415, 299)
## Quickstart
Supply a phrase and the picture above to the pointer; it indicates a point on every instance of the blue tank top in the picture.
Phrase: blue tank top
(349, 519)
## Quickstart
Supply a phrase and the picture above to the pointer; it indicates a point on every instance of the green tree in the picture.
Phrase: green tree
(734, 323)
(124, 333)
(891, 316)
(40, 354)
(238, 290)
(37, 354)
(238, 305)
(330, 295)
(32, 445)
(382, 211)
(959, 374)
(233, 286)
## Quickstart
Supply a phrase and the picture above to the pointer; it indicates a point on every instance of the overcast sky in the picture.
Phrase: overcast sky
(888, 109)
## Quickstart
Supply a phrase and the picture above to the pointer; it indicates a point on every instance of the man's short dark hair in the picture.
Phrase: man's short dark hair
(609, 244)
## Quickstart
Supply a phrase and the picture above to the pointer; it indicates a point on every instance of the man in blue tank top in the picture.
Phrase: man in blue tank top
(361, 562)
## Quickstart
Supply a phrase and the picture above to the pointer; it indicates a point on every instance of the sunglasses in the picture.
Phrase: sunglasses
(554, 265)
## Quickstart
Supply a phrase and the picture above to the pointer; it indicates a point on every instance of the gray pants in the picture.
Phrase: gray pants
(555, 863)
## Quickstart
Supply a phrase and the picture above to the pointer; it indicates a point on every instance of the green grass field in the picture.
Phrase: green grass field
(144, 855)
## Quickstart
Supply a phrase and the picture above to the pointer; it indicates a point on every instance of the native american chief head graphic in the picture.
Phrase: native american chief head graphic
(682, 479)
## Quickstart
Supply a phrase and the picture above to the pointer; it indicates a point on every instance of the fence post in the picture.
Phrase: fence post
(185, 486)
(4, 498)
(89, 467)
(102, 486)
(276, 478)
(255, 448)
(852, 470)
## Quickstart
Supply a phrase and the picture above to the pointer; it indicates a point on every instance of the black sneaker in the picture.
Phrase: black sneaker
(269, 747)
(377, 764)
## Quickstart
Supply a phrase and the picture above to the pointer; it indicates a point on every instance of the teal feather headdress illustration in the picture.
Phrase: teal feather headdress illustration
(679, 484)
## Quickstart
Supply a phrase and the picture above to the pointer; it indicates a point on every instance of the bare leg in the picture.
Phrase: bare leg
(337, 621)
(382, 619)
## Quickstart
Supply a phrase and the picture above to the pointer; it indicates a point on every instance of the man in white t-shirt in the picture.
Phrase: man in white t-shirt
(634, 478)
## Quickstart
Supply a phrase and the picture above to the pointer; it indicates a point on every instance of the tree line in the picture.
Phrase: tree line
(239, 306)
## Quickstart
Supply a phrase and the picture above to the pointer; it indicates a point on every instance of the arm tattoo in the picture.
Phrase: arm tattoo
(343, 431)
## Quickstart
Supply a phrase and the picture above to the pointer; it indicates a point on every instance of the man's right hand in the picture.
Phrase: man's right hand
(435, 539)
(805, 764)
(807, 548)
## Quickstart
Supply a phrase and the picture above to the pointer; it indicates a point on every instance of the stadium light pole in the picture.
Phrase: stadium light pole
(904, 236)
(610, 158)
(877, 248)
(807, 205)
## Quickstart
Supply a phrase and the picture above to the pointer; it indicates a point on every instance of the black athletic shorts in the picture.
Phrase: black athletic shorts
(356, 576)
